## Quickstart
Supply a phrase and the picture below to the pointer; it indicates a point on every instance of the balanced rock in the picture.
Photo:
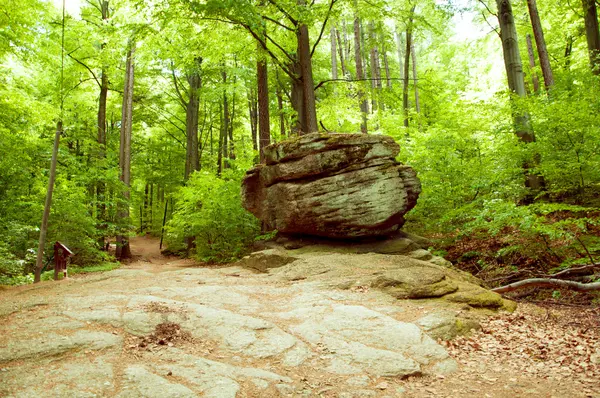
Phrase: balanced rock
(332, 185)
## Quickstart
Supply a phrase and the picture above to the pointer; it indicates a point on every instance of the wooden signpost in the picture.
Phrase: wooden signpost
(61, 257)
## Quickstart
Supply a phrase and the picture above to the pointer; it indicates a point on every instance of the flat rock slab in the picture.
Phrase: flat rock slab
(280, 323)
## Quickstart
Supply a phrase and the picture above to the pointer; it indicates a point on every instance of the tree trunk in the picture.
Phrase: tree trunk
(232, 118)
(592, 33)
(39, 263)
(334, 66)
(400, 46)
(101, 185)
(225, 125)
(413, 54)
(308, 86)
(540, 43)
(340, 47)
(534, 76)
(253, 112)
(264, 120)
(516, 84)
(386, 64)
(123, 250)
(192, 160)
(360, 76)
(409, 29)
(280, 109)
(375, 66)
(220, 147)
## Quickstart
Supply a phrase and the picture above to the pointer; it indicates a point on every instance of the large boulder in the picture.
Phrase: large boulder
(332, 185)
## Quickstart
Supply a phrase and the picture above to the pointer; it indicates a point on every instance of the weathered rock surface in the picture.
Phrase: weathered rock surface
(332, 185)
(306, 322)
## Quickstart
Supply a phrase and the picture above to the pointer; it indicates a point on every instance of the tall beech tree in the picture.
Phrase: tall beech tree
(540, 42)
(123, 250)
(516, 84)
(592, 33)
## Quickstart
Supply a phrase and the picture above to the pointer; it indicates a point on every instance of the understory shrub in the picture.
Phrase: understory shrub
(209, 209)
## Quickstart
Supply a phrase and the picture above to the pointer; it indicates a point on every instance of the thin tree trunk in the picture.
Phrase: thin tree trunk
(592, 34)
(123, 249)
(534, 77)
(225, 126)
(400, 46)
(334, 66)
(101, 185)
(516, 84)
(232, 114)
(375, 66)
(362, 99)
(264, 120)
(308, 86)
(340, 48)
(386, 64)
(192, 161)
(409, 29)
(220, 146)
(540, 43)
(253, 112)
(39, 263)
(279, 94)
(413, 54)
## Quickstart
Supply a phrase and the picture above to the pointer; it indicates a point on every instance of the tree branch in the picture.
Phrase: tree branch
(322, 82)
(284, 12)
(323, 27)
(278, 23)
(577, 271)
(549, 283)
(263, 44)
(176, 84)
(86, 67)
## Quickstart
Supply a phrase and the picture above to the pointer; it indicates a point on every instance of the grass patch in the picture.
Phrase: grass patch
(104, 267)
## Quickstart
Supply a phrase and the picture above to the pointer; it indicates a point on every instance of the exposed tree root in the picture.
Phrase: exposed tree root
(549, 283)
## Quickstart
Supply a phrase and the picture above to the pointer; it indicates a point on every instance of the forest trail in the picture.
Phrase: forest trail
(166, 327)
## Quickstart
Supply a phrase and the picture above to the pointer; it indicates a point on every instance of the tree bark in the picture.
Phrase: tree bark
(192, 160)
(334, 66)
(362, 99)
(516, 84)
(413, 54)
(39, 263)
(534, 77)
(540, 43)
(253, 113)
(123, 250)
(592, 34)
(341, 51)
(280, 106)
(264, 120)
(101, 185)
(409, 29)
(225, 125)
(549, 283)
(400, 46)
(220, 146)
(308, 86)
(375, 66)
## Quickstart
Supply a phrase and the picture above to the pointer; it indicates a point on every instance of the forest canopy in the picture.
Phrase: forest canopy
(161, 107)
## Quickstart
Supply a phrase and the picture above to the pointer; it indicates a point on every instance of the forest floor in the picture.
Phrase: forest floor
(166, 327)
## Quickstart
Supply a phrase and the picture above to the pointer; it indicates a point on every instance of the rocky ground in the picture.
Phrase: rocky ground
(287, 323)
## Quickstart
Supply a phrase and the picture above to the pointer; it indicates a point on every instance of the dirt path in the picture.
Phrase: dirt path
(165, 327)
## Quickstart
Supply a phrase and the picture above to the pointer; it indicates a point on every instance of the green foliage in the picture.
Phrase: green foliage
(209, 209)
